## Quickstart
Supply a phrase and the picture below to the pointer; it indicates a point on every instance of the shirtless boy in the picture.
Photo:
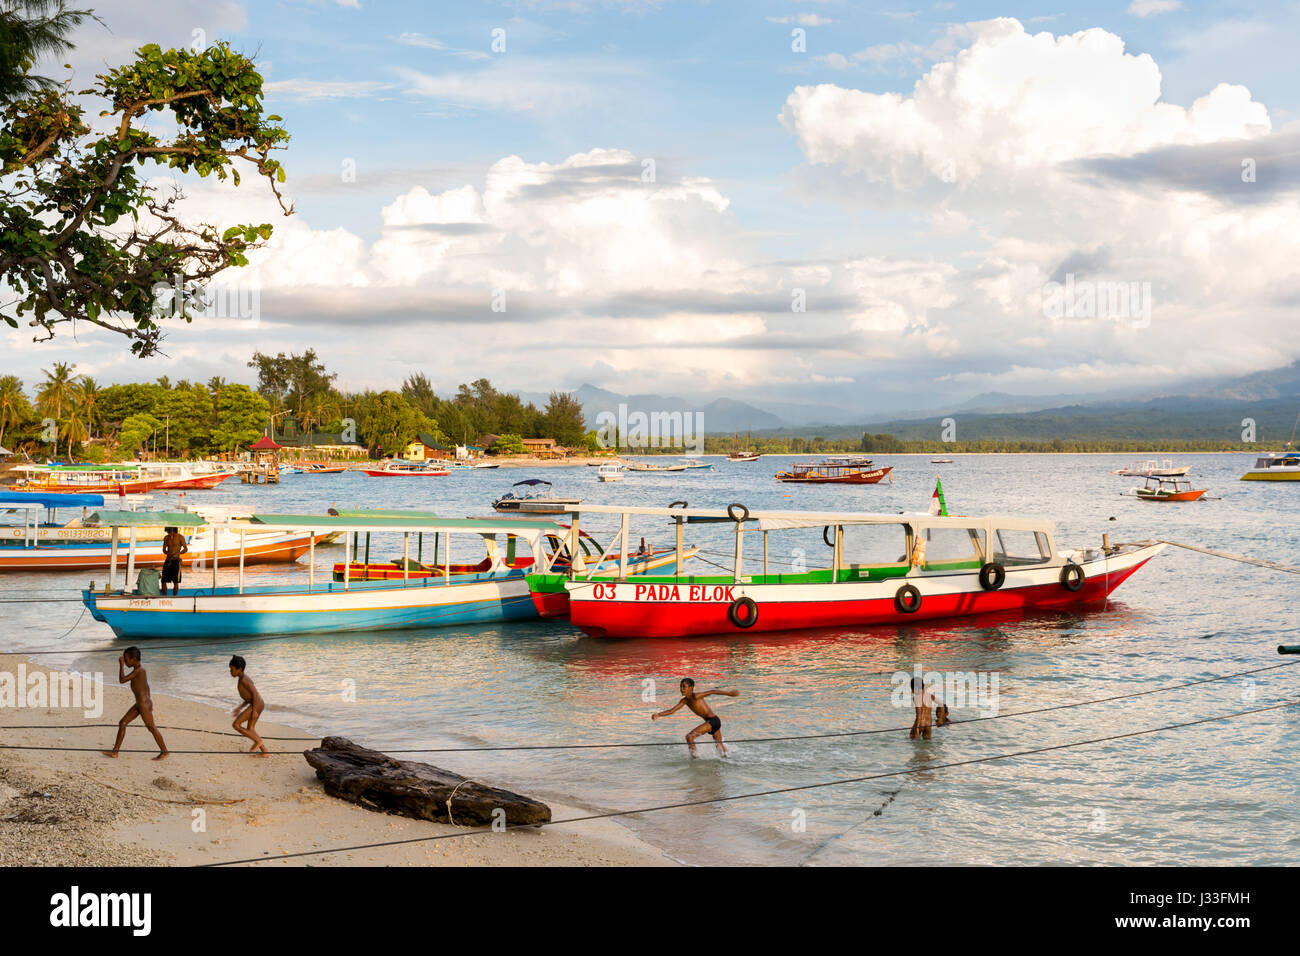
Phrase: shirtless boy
(143, 706)
(695, 703)
(923, 701)
(246, 713)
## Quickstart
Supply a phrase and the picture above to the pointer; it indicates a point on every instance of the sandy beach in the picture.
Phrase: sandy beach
(80, 808)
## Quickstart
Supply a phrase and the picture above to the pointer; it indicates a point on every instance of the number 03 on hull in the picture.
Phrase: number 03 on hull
(879, 570)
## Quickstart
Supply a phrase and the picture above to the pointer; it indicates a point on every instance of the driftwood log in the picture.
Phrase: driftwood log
(419, 790)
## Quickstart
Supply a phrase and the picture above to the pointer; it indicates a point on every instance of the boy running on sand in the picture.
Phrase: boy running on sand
(695, 703)
(251, 708)
(143, 706)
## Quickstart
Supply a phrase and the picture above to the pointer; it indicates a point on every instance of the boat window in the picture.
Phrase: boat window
(869, 545)
(949, 549)
(1019, 547)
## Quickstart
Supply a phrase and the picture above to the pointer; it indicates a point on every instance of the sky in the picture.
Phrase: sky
(869, 206)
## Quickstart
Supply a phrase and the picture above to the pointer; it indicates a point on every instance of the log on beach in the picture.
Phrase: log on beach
(418, 790)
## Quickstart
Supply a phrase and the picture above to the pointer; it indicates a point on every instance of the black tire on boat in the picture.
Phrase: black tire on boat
(826, 537)
(907, 600)
(1072, 576)
(737, 512)
(992, 576)
(751, 612)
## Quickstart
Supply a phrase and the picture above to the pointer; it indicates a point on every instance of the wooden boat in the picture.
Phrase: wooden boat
(84, 479)
(536, 498)
(652, 467)
(98, 543)
(941, 461)
(1154, 469)
(694, 464)
(1275, 466)
(743, 456)
(1168, 489)
(407, 469)
(849, 470)
(322, 468)
(883, 570)
(184, 476)
(497, 594)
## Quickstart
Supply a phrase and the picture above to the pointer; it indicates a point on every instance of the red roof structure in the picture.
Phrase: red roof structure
(265, 443)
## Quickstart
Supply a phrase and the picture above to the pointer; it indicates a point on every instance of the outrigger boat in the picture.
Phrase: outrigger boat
(884, 570)
(694, 464)
(649, 466)
(93, 541)
(1275, 466)
(846, 470)
(1167, 489)
(499, 593)
(743, 456)
(184, 476)
(407, 469)
(1154, 469)
(84, 479)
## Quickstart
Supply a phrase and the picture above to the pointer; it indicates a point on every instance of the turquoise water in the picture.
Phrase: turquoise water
(1222, 792)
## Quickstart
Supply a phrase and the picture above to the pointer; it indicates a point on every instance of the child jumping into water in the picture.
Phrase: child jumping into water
(246, 713)
(143, 706)
(695, 703)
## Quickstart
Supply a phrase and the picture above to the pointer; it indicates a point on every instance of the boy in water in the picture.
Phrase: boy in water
(173, 546)
(251, 708)
(143, 706)
(695, 703)
(923, 700)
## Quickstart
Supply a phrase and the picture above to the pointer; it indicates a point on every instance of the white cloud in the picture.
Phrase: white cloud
(1153, 8)
(305, 89)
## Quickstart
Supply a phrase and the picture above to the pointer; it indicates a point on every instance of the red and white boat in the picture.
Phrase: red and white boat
(407, 469)
(184, 476)
(836, 470)
(880, 570)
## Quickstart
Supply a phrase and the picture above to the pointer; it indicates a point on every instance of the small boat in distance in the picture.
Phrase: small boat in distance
(609, 473)
(694, 464)
(536, 499)
(743, 456)
(1275, 466)
(941, 461)
(1153, 469)
(1168, 489)
(836, 470)
(396, 468)
(650, 466)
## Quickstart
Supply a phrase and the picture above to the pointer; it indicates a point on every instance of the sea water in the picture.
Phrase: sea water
(1218, 792)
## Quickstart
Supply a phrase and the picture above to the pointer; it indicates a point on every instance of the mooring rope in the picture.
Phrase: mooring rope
(762, 793)
(1244, 559)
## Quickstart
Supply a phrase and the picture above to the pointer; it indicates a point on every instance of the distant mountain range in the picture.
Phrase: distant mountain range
(1207, 408)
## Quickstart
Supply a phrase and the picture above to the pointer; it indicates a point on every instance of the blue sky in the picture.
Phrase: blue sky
(920, 172)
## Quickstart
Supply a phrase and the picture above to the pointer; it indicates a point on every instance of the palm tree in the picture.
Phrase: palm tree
(58, 392)
(216, 385)
(32, 30)
(14, 406)
(73, 429)
(88, 401)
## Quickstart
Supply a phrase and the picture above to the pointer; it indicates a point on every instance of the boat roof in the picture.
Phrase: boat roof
(148, 519)
(384, 513)
(773, 520)
(427, 524)
(52, 499)
(530, 482)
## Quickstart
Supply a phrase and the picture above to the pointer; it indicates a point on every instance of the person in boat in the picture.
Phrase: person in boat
(174, 545)
(923, 701)
(143, 706)
(695, 703)
(251, 706)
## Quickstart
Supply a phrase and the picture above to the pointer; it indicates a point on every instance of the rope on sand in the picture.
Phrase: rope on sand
(1259, 562)
(767, 793)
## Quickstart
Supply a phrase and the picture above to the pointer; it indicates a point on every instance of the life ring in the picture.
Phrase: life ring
(907, 600)
(751, 612)
(731, 512)
(992, 576)
(1072, 576)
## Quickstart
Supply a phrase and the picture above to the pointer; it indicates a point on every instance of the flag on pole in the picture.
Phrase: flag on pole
(937, 505)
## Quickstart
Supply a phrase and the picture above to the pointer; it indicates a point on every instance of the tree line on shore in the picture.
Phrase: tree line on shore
(294, 400)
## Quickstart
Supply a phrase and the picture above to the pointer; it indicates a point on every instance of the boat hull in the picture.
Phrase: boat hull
(551, 598)
(634, 609)
(860, 478)
(197, 483)
(266, 548)
(328, 608)
(1193, 495)
(1272, 474)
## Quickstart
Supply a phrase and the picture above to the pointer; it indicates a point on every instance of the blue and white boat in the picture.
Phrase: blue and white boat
(497, 593)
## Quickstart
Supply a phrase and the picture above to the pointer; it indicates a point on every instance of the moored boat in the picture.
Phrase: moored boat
(1275, 466)
(395, 468)
(497, 594)
(743, 456)
(1154, 469)
(534, 498)
(84, 479)
(609, 473)
(184, 476)
(1168, 489)
(653, 467)
(884, 570)
(849, 470)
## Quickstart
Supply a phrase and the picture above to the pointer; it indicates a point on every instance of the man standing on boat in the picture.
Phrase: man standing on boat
(174, 545)
(695, 703)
